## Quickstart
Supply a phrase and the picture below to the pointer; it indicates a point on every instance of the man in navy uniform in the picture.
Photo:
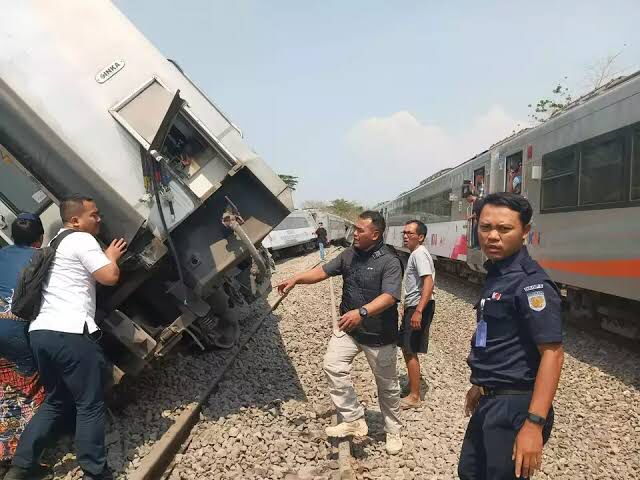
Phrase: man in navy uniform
(516, 352)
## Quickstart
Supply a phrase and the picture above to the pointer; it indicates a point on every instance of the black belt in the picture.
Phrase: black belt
(492, 392)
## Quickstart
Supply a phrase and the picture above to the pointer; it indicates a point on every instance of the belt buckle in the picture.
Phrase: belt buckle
(487, 392)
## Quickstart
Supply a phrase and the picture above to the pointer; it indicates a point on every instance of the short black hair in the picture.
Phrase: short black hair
(420, 227)
(26, 231)
(376, 219)
(72, 205)
(512, 201)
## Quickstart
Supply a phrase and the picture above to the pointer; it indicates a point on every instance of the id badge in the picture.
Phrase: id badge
(481, 328)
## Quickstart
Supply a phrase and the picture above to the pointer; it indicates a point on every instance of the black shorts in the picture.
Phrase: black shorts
(416, 341)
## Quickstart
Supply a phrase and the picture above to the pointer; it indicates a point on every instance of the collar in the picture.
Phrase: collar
(509, 264)
(374, 249)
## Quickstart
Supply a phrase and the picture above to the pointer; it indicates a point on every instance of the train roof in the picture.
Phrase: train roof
(583, 99)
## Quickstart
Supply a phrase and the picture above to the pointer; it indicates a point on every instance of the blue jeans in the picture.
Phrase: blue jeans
(321, 245)
(72, 368)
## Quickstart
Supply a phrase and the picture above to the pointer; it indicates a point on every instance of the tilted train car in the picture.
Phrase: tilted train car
(297, 232)
(88, 105)
(581, 172)
(339, 230)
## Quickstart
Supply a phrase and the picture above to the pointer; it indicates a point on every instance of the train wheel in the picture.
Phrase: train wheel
(217, 332)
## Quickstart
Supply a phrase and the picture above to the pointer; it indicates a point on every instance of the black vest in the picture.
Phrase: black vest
(362, 274)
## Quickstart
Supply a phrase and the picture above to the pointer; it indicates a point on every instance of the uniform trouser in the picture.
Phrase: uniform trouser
(321, 246)
(382, 360)
(71, 367)
(488, 442)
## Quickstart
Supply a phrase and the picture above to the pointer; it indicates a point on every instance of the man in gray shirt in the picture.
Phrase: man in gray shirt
(419, 306)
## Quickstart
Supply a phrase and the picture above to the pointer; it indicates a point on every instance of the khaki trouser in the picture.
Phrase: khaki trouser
(382, 360)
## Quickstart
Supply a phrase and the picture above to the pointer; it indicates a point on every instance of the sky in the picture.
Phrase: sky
(363, 99)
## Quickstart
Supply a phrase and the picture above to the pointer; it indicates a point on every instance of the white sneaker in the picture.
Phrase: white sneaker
(357, 428)
(394, 443)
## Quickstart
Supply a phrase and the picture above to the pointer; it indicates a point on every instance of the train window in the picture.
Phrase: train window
(291, 223)
(558, 164)
(478, 181)
(602, 172)
(513, 177)
(559, 180)
(18, 191)
(635, 167)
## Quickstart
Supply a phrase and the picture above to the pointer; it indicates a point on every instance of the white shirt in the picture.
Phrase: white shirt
(419, 265)
(69, 294)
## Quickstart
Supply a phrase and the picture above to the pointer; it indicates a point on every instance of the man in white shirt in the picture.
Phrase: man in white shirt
(419, 306)
(64, 339)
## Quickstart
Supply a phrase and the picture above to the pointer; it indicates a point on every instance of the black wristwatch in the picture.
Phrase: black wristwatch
(363, 312)
(537, 419)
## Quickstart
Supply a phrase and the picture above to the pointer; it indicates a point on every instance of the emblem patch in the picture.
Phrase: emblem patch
(537, 301)
(496, 296)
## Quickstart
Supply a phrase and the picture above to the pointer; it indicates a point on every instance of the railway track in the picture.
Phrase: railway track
(160, 461)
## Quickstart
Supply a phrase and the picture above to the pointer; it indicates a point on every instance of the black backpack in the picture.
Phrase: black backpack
(27, 296)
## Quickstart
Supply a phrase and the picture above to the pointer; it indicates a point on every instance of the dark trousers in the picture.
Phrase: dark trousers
(491, 433)
(71, 368)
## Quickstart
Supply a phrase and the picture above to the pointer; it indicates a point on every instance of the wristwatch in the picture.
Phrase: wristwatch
(537, 419)
(363, 312)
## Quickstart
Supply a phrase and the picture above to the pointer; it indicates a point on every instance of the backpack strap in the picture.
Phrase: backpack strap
(61, 236)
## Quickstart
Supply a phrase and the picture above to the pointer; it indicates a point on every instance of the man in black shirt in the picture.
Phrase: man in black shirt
(372, 276)
(516, 352)
(321, 233)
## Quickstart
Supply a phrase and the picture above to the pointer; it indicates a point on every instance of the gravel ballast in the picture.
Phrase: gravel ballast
(268, 416)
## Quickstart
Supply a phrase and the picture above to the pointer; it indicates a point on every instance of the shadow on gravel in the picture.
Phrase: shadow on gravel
(610, 356)
(375, 421)
(262, 377)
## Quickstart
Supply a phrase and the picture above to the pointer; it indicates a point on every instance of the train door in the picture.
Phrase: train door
(513, 173)
(472, 221)
(19, 192)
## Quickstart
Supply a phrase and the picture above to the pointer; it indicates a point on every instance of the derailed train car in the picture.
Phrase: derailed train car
(581, 172)
(88, 105)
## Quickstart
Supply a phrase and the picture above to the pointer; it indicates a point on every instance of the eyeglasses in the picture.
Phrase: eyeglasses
(408, 234)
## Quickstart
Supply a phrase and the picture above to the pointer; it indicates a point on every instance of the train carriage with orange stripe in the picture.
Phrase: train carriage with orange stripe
(581, 172)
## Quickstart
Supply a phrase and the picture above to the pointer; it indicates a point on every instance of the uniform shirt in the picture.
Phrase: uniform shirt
(69, 294)
(367, 275)
(522, 309)
(12, 260)
(419, 265)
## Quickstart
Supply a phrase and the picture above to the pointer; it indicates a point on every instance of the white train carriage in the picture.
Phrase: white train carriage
(581, 172)
(339, 230)
(296, 232)
(88, 105)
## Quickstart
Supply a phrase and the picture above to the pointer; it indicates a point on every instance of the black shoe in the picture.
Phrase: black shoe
(36, 473)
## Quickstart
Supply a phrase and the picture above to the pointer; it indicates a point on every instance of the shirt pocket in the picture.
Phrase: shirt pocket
(500, 317)
(370, 279)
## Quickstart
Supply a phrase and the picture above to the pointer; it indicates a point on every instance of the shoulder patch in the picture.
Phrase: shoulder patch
(537, 301)
(537, 286)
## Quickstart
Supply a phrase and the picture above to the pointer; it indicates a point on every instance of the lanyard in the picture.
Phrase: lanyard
(481, 328)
